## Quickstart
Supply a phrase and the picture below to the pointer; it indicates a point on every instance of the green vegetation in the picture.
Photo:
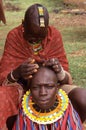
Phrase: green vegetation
(75, 45)
(74, 38)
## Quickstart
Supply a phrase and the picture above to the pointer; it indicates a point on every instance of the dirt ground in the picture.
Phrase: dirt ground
(68, 19)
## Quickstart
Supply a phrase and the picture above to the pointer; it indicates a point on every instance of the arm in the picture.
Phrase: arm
(23, 72)
(78, 99)
(67, 79)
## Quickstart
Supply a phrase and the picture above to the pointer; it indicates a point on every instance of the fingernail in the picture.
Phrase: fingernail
(30, 76)
(35, 70)
(43, 64)
(32, 61)
(37, 65)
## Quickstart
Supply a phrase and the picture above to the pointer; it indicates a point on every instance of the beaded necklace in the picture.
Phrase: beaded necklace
(36, 47)
(45, 117)
(38, 109)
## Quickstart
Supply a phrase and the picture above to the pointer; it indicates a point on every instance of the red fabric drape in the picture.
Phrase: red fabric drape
(8, 103)
(17, 50)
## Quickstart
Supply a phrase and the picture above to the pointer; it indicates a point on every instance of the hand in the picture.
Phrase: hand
(56, 66)
(26, 69)
(54, 63)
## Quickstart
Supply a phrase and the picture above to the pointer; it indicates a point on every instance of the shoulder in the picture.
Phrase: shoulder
(15, 31)
(54, 30)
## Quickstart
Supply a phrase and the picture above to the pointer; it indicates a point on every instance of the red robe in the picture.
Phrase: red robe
(16, 51)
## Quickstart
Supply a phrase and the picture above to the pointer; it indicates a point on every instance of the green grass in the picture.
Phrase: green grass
(74, 38)
(48, 3)
(75, 45)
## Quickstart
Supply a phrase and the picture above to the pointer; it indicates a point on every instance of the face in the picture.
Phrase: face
(36, 34)
(44, 88)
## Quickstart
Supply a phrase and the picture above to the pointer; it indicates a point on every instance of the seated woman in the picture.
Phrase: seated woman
(45, 106)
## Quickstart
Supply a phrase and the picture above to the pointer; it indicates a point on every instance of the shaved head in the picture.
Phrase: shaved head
(33, 20)
(32, 15)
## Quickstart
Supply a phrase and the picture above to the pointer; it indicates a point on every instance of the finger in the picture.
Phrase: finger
(56, 68)
(47, 63)
(28, 77)
(33, 60)
(51, 62)
(54, 61)
(26, 66)
(28, 73)
(30, 60)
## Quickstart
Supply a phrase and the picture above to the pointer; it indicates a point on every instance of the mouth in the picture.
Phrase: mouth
(43, 101)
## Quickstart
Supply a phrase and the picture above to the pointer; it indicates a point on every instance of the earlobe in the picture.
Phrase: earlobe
(22, 21)
(58, 85)
(23, 29)
(57, 89)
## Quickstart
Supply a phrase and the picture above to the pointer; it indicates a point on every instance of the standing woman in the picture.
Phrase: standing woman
(2, 15)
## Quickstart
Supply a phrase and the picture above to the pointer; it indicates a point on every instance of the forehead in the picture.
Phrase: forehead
(37, 31)
(44, 76)
(33, 14)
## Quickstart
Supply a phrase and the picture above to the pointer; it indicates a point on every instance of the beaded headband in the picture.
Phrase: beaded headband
(41, 16)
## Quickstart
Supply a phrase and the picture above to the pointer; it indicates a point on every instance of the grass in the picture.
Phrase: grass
(75, 45)
(74, 38)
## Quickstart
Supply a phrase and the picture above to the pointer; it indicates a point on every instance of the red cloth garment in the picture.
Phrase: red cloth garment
(69, 121)
(17, 50)
(8, 103)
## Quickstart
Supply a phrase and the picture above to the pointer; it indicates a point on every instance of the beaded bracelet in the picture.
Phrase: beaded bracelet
(12, 77)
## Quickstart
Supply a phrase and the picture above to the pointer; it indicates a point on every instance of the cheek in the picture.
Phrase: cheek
(53, 93)
(54, 90)
(35, 95)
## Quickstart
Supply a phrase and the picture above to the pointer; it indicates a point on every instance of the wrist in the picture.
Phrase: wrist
(11, 77)
(61, 75)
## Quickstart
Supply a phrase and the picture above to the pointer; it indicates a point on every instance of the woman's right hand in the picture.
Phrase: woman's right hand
(26, 69)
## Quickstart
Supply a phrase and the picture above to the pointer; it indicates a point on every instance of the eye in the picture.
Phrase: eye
(50, 86)
(35, 87)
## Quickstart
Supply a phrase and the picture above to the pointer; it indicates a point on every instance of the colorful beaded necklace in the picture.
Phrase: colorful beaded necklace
(45, 117)
(36, 47)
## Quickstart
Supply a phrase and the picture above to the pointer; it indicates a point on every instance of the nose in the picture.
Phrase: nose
(43, 90)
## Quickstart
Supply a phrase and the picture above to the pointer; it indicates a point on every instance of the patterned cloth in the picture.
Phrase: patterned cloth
(69, 121)
(16, 51)
(8, 103)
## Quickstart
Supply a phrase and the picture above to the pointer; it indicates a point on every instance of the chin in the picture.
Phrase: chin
(45, 106)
